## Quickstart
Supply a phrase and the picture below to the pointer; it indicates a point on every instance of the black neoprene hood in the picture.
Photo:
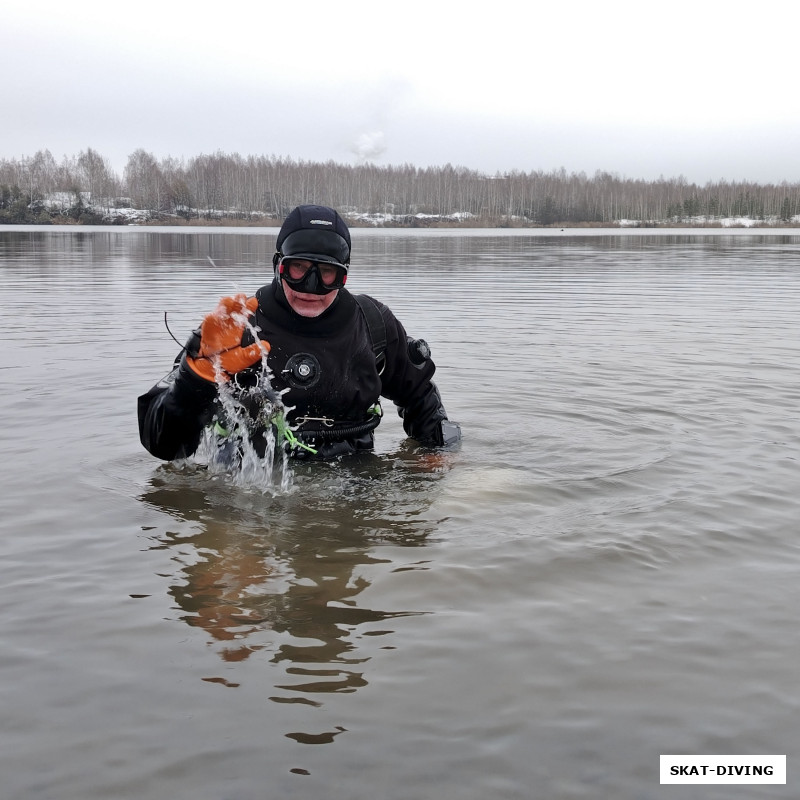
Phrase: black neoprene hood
(317, 233)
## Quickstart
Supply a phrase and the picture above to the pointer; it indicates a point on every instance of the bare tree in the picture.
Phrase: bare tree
(144, 181)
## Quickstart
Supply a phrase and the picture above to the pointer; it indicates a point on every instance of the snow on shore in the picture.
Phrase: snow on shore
(64, 202)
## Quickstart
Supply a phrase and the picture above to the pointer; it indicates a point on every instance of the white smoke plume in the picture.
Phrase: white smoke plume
(369, 145)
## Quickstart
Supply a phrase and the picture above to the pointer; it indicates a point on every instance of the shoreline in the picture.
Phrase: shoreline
(217, 228)
(430, 224)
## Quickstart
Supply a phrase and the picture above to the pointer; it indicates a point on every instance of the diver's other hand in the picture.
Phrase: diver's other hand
(449, 433)
(220, 353)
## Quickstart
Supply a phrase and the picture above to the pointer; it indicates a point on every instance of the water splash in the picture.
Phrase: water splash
(244, 442)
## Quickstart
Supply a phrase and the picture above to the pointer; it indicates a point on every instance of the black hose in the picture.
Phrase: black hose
(340, 433)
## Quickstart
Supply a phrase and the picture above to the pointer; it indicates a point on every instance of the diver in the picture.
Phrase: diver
(329, 356)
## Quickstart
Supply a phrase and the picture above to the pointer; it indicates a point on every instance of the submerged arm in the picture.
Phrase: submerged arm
(174, 412)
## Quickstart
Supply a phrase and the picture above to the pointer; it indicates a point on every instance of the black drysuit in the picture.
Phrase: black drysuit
(329, 370)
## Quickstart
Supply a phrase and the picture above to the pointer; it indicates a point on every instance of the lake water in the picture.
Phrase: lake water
(607, 570)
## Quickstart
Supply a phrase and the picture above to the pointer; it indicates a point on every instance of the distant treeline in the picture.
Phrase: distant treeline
(86, 188)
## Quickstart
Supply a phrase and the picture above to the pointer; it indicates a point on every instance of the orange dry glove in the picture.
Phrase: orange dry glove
(221, 340)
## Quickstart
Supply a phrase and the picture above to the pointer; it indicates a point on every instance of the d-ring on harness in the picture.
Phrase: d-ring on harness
(326, 421)
(340, 432)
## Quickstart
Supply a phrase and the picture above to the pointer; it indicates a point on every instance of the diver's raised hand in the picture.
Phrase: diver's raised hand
(220, 353)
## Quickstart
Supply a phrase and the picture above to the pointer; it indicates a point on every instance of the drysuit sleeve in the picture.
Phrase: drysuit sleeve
(408, 381)
(426, 420)
(174, 412)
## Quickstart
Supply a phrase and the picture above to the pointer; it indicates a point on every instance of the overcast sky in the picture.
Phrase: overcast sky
(707, 89)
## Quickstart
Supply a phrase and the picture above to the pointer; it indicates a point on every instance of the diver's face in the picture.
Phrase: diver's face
(308, 305)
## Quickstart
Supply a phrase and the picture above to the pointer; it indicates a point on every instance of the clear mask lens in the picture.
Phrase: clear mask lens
(312, 277)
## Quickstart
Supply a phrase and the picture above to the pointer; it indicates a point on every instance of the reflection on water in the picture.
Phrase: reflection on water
(282, 575)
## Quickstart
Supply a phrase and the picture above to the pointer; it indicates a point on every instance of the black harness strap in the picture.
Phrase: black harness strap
(377, 327)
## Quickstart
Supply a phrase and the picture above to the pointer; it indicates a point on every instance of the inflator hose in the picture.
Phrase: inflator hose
(338, 434)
